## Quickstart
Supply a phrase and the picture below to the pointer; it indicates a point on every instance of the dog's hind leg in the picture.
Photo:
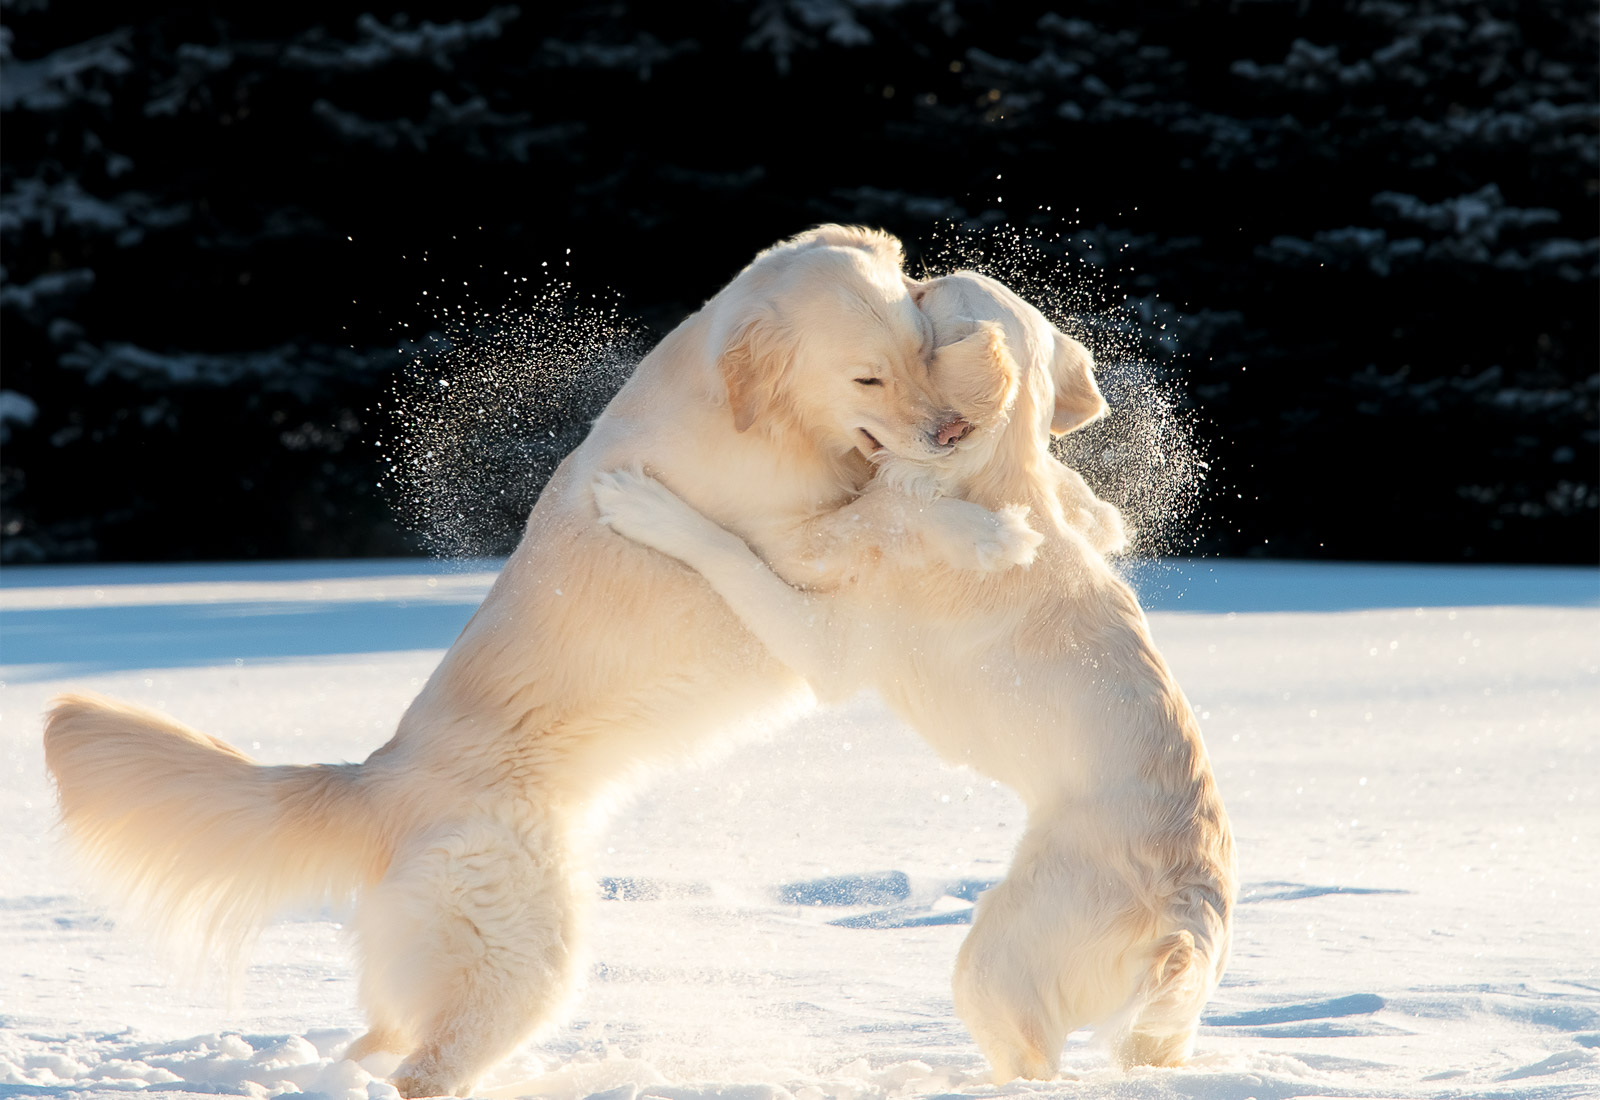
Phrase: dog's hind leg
(1049, 950)
(380, 1037)
(1008, 970)
(1005, 1001)
(470, 945)
(1144, 1048)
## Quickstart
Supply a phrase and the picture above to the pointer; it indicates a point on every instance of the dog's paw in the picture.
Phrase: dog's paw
(1012, 543)
(1115, 536)
(637, 506)
(1102, 525)
(969, 537)
(415, 1083)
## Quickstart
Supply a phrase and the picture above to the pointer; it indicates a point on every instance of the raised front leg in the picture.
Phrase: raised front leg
(887, 525)
(795, 626)
(1096, 519)
(825, 552)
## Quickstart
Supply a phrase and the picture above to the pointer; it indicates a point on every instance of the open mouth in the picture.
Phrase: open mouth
(873, 446)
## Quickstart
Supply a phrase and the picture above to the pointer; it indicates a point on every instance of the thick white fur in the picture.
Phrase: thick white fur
(591, 659)
(1117, 908)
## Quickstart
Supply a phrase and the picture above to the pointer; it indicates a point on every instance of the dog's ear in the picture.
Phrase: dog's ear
(1078, 400)
(752, 366)
(977, 374)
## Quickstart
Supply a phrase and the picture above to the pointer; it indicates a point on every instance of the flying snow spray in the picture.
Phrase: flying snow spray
(493, 400)
(490, 404)
(1146, 455)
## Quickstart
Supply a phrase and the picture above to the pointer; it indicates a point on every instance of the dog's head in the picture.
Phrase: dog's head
(822, 334)
(978, 376)
(1053, 371)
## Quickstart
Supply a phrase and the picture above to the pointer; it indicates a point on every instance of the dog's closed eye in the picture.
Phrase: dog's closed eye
(869, 381)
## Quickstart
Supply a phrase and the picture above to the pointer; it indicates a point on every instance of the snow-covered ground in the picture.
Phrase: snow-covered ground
(1409, 754)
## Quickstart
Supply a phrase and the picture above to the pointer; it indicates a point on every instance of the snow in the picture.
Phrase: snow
(1408, 753)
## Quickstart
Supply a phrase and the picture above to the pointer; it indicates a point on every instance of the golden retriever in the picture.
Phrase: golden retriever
(1117, 908)
(461, 840)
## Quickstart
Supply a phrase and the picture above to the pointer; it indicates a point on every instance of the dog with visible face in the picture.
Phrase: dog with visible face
(592, 660)
(1117, 909)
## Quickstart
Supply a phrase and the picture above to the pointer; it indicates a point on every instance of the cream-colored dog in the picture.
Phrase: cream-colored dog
(460, 841)
(1116, 911)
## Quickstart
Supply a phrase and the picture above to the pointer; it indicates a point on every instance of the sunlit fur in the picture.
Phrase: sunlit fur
(591, 660)
(1116, 911)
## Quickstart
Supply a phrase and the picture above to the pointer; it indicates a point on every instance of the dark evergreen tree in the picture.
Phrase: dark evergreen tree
(1369, 226)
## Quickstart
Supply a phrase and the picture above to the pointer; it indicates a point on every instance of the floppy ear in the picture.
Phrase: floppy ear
(1078, 400)
(752, 366)
(977, 374)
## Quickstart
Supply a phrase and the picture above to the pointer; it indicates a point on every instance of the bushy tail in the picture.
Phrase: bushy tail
(192, 835)
(1158, 1025)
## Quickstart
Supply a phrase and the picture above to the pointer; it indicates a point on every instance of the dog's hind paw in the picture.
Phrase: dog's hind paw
(415, 1083)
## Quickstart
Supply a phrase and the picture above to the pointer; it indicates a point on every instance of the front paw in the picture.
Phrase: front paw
(1109, 532)
(969, 537)
(1011, 542)
(637, 506)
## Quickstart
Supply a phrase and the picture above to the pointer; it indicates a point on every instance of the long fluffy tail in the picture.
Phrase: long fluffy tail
(191, 834)
(1158, 1025)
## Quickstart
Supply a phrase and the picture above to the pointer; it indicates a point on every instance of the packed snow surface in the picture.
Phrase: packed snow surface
(1409, 755)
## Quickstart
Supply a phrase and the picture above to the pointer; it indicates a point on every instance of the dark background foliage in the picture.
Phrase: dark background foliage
(1369, 227)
